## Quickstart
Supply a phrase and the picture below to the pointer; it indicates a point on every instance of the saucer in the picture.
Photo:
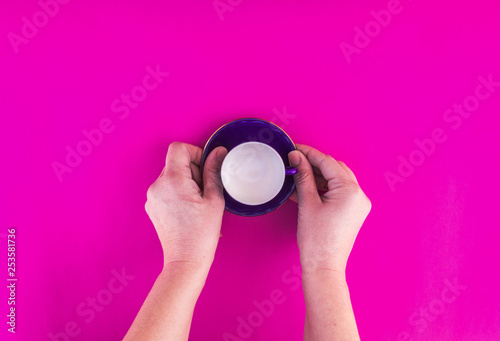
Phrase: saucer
(253, 129)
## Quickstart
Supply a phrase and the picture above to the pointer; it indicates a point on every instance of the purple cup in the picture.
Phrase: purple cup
(244, 130)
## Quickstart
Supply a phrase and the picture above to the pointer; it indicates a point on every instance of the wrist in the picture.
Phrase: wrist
(316, 272)
(319, 262)
(190, 275)
(188, 260)
(189, 254)
(318, 278)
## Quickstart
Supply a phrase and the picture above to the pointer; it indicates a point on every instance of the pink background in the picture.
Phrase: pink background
(264, 59)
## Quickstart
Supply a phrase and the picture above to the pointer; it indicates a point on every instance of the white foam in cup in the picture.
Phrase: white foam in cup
(253, 173)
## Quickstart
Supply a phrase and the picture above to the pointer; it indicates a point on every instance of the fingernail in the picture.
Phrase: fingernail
(294, 158)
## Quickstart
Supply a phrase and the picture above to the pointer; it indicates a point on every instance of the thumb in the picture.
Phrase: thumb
(212, 183)
(307, 192)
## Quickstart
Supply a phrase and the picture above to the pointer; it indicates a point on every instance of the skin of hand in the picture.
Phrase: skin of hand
(185, 208)
(329, 223)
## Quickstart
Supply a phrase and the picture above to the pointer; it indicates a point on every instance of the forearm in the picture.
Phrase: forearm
(329, 314)
(168, 309)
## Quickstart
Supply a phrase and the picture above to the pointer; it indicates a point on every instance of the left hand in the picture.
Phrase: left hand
(185, 208)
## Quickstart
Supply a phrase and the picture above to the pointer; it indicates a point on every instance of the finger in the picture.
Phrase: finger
(348, 171)
(179, 158)
(212, 183)
(307, 192)
(329, 167)
(321, 185)
(196, 174)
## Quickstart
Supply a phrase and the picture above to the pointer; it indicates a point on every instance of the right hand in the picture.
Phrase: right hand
(329, 223)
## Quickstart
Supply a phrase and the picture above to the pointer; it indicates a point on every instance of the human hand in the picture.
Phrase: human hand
(186, 207)
(329, 223)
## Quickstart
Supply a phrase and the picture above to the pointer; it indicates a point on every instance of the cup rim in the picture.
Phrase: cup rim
(245, 118)
(282, 169)
(275, 126)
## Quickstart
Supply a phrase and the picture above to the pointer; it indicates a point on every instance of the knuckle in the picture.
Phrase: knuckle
(325, 160)
(352, 187)
(171, 177)
(355, 192)
(359, 198)
(150, 193)
(175, 145)
(368, 204)
(156, 189)
(302, 176)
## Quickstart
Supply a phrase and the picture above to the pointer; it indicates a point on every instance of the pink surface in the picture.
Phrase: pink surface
(425, 265)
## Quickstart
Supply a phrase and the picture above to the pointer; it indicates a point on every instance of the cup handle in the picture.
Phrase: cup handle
(290, 170)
